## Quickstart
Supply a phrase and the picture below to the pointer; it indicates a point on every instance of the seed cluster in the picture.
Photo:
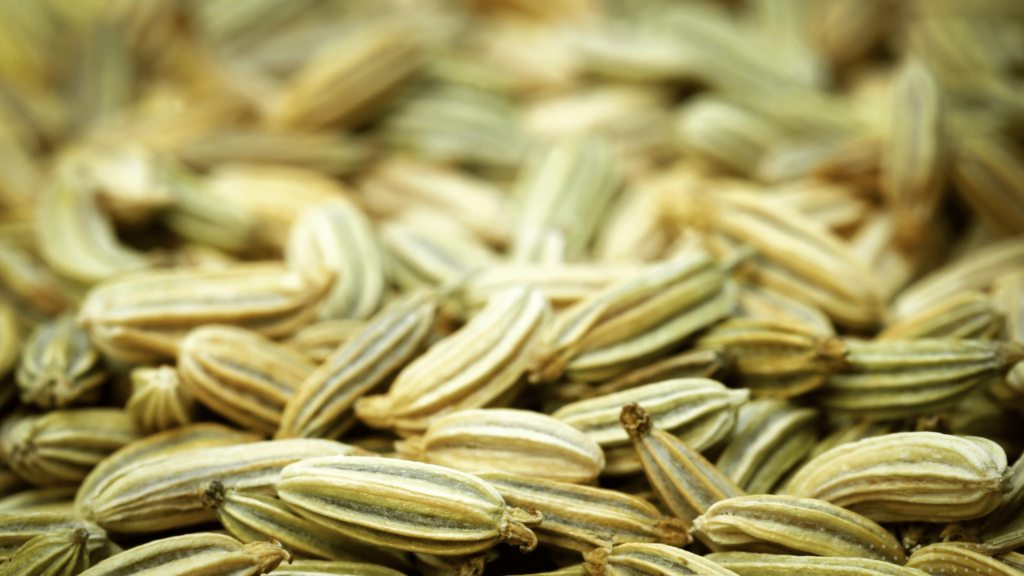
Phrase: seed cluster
(511, 287)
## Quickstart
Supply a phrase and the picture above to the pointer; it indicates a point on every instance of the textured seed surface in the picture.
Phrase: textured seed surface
(321, 405)
(910, 476)
(199, 553)
(698, 410)
(648, 559)
(62, 446)
(473, 368)
(753, 564)
(159, 492)
(405, 505)
(512, 441)
(582, 518)
(785, 524)
(241, 375)
(253, 517)
(60, 367)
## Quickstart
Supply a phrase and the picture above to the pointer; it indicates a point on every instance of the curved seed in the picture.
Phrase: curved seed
(474, 367)
(56, 553)
(60, 367)
(907, 477)
(241, 375)
(257, 517)
(320, 406)
(405, 505)
(566, 190)
(751, 564)
(894, 379)
(610, 332)
(685, 482)
(338, 237)
(17, 528)
(159, 492)
(648, 560)
(208, 554)
(697, 410)
(771, 437)
(159, 401)
(977, 271)
(970, 314)
(957, 557)
(776, 358)
(788, 525)
(63, 445)
(512, 441)
(582, 518)
(76, 237)
(143, 316)
(796, 256)
(190, 437)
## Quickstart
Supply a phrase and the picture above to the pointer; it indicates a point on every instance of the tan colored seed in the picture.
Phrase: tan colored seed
(253, 517)
(480, 365)
(785, 524)
(405, 505)
(510, 441)
(159, 492)
(159, 401)
(321, 406)
(60, 367)
(910, 476)
(200, 553)
(649, 560)
(582, 518)
(63, 446)
(752, 564)
(241, 375)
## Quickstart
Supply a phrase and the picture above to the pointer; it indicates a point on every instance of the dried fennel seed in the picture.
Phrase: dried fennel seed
(213, 554)
(642, 288)
(503, 440)
(910, 476)
(582, 518)
(159, 492)
(58, 552)
(480, 365)
(253, 517)
(405, 505)
(241, 375)
(784, 524)
(60, 367)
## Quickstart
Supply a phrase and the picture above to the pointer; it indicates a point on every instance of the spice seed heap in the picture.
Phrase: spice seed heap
(511, 287)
